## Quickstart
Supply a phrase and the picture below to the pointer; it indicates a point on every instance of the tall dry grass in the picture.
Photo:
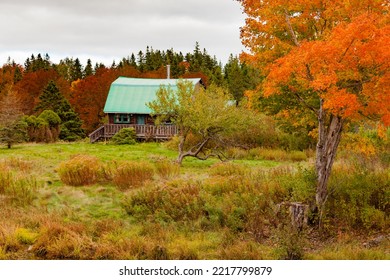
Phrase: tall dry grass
(177, 200)
(166, 168)
(132, 174)
(268, 154)
(16, 183)
(80, 170)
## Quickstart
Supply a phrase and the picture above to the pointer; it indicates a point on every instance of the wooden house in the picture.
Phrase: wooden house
(126, 106)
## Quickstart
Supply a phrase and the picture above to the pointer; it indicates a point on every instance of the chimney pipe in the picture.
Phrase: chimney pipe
(168, 71)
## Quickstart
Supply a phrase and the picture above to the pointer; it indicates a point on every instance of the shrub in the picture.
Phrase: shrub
(172, 144)
(80, 170)
(300, 184)
(359, 197)
(51, 118)
(53, 121)
(45, 128)
(132, 174)
(236, 153)
(240, 202)
(126, 136)
(291, 243)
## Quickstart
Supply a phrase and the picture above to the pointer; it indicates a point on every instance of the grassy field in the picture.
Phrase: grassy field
(84, 201)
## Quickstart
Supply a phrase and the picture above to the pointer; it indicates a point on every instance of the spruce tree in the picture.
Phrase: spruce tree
(235, 78)
(88, 70)
(76, 70)
(52, 99)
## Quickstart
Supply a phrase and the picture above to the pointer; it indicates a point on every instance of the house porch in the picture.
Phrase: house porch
(143, 131)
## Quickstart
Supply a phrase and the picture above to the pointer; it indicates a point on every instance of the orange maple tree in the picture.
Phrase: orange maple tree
(31, 86)
(329, 58)
(88, 97)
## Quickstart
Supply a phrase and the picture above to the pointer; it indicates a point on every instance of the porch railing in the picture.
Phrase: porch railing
(106, 131)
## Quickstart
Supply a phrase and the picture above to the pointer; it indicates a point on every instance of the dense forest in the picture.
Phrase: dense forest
(86, 87)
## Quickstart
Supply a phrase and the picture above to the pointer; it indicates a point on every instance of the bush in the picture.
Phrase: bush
(80, 170)
(51, 118)
(359, 197)
(53, 121)
(132, 174)
(172, 144)
(126, 136)
(44, 128)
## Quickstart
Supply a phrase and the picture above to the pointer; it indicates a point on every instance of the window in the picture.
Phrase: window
(122, 118)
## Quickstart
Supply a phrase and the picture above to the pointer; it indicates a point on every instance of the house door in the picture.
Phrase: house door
(140, 119)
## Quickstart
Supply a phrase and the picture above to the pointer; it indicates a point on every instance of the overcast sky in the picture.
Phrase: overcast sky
(104, 30)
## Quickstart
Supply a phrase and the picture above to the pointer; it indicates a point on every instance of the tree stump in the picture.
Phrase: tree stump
(298, 213)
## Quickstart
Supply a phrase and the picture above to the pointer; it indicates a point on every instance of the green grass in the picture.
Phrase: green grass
(204, 210)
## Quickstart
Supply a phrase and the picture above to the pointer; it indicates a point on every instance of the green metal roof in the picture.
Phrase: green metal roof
(130, 95)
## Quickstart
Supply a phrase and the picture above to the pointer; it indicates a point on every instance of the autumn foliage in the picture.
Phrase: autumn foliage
(325, 59)
(273, 27)
(348, 70)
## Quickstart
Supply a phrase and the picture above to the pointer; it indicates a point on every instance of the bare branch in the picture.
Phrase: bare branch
(290, 29)
(346, 50)
(311, 108)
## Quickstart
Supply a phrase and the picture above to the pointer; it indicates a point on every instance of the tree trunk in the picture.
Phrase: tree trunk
(181, 155)
(193, 151)
(328, 141)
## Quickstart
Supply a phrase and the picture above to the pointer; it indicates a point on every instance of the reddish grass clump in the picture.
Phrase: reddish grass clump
(132, 174)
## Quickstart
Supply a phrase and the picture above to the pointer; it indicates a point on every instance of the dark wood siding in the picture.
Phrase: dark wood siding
(133, 119)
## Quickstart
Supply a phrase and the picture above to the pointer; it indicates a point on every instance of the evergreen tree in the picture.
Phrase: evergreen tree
(240, 77)
(52, 99)
(234, 78)
(133, 62)
(99, 66)
(27, 65)
(33, 64)
(76, 72)
(18, 76)
(141, 61)
(88, 70)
